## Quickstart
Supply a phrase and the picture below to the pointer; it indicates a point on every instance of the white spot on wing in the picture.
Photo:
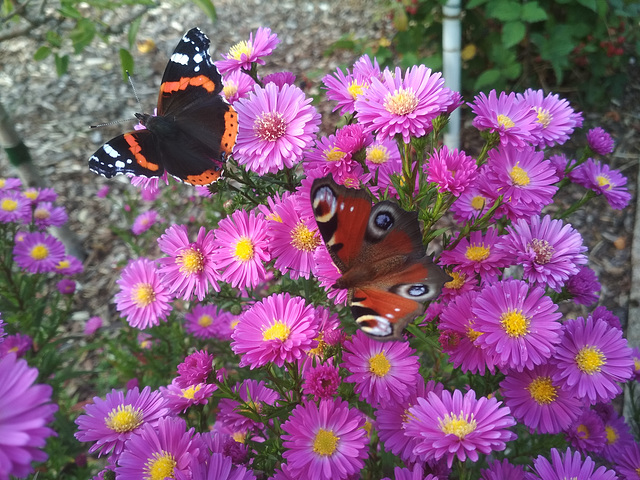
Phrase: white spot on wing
(180, 58)
(198, 58)
(113, 153)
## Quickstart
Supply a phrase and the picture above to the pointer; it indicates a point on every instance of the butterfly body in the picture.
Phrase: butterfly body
(379, 252)
(195, 128)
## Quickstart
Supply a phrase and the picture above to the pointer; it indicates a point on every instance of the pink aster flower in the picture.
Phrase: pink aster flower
(190, 268)
(111, 421)
(237, 85)
(587, 433)
(180, 399)
(568, 465)
(219, 467)
(280, 78)
(550, 251)
(326, 158)
(327, 273)
(321, 381)
(276, 126)
(202, 321)
(195, 368)
(293, 239)
(502, 471)
(519, 324)
(592, 358)
(145, 221)
(555, 115)
(92, 325)
(451, 171)
(326, 441)
(66, 286)
(515, 122)
(149, 187)
(406, 106)
(345, 88)
(103, 192)
(168, 448)
(38, 252)
(278, 329)
(241, 249)
(26, 409)
(600, 141)
(14, 208)
(143, 299)
(382, 372)
(383, 159)
(459, 426)
(472, 204)
(255, 396)
(244, 53)
(46, 215)
(476, 255)
(367, 67)
(598, 177)
(18, 344)
(584, 286)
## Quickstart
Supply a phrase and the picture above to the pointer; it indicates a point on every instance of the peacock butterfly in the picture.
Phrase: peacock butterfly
(379, 251)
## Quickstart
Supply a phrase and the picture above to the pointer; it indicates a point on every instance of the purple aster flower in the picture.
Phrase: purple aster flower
(383, 372)
(326, 158)
(587, 433)
(383, 159)
(103, 192)
(406, 106)
(143, 299)
(38, 252)
(293, 239)
(584, 286)
(568, 465)
(560, 162)
(598, 177)
(367, 68)
(326, 441)
(476, 255)
(190, 267)
(617, 437)
(26, 409)
(612, 320)
(549, 250)
(66, 286)
(165, 450)
(145, 221)
(592, 358)
(471, 204)
(555, 115)
(255, 395)
(195, 368)
(278, 329)
(322, 380)
(515, 121)
(459, 426)
(149, 187)
(241, 249)
(180, 399)
(111, 421)
(92, 325)
(345, 88)
(416, 473)
(502, 471)
(46, 215)
(69, 265)
(451, 171)
(600, 141)
(202, 321)
(280, 79)
(18, 344)
(237, 85)
(628, 462)
(219, 467)
(276, 126)
(10, 183)
(519, 324)
(35, 195)
(244, 53)
(327, 273)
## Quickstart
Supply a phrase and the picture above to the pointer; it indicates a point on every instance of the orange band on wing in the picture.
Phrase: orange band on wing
(205, 178)
(134, 148)
(199, 81)
(230, 131)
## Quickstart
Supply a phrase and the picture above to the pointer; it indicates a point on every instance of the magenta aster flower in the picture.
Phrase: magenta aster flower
(628, 462)
(276, 126)
(103, 192)
(293, 239)
(321, 381)
(549, 250)
(190, 267)
(237, 85)
(25, 411)
(143, 299)
(568, 465)
(459, 426)
(92, 325)
(195, 368)
(278, 329)
(587, 433)
(35, 195)
(604, 314)
(325, 441)
(255, 395)
(345, 89)
(555, 115)
(18, 344)
(219, 467)
(201, 321)
(601, 179)
(326, 158)
(165, 450)
(244, 53)
(538, 401)
(473, 203)
(592, 358)
(69, 265)
(111, 421)
(451, 171)
(145, 221)
(38, 252)
(241, 249)
(382, 372)
(280, 78)
(617, 437)
(515, 122)
(46, 215)
(327, 273)
(584, 286)
(406, 106)
(416, 473)
(600, 141)
(502, 471)
(66, 286)
(10, 183)
(367, 67)
(180, 399)
(519, 324)
(383, 159)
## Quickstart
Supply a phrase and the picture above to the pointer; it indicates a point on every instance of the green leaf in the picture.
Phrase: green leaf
(513, 33)
(475, 3)
(53, 38)
(590, 4)
(504, 10)
(68, 11)
(532, 12)
(207, 7)
(126, 62)
(133, 31)
(62, 64)
(42, 53)
(487, 78)
(82, 35)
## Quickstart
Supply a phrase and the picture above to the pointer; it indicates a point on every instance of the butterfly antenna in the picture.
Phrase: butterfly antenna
(135, 93)
(115, 122)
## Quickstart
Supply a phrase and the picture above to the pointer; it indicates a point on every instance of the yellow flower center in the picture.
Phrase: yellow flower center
(590, 360)
(8, 204)
(378, 154)
(31, 193)
(190, 393)
(160, 466)
(142, 294)
(472, 334)
(41, 213)
(543, 391)
(62, 264)
(230, 89)
(124, 418)
(583, 431)
(603, 180)
(505, 121)
(379, 365)
(401, 102)
(477, 253)
(457, 425)
(243, 250)
(190, 261)
(279, 330)
(304, 239)
(239, 49)
(477, 203)
(39, 252)
(514, 323)
(325, 442)
(355, 89)
(544, 116)
(612, 435)
(519, 176)
(270, 126)
(457, 282)
(334, 155)
(205, 320)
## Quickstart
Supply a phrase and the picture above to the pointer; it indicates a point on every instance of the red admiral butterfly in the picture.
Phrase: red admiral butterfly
(195, 128)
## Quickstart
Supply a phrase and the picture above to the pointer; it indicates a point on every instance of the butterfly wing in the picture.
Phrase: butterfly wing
(131, 154)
